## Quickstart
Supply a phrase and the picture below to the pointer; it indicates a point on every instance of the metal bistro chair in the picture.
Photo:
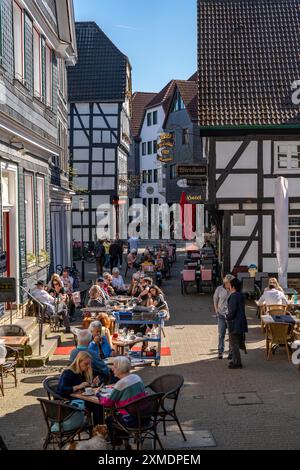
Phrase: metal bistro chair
(145, 410)
(50, 385)
(278, 334)
(9, 368)
(249, 288)
(170, 385)
(55, 411)
(188, 277)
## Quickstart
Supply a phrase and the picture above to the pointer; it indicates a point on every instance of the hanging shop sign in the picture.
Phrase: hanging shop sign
(165, 147)
(191, 171)
(194, 198)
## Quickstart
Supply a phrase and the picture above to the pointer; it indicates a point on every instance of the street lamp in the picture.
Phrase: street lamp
(81, 210)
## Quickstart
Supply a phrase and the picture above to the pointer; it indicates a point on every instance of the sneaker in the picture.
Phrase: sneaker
(235, 366)
(220, 356)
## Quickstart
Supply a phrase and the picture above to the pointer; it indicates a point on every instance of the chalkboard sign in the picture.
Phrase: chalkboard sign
(8, 289)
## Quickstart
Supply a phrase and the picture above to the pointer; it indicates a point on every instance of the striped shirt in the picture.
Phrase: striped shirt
(127, 390)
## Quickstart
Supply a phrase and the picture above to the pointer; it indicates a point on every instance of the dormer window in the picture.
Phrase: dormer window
(178, 104)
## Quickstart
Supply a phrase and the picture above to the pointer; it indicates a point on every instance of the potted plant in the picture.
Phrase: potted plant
(44, 257)
(31, 260)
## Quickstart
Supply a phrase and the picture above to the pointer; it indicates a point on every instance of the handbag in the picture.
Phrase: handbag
(75, 421)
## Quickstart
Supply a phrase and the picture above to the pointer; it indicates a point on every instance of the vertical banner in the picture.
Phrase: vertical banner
(282, 228)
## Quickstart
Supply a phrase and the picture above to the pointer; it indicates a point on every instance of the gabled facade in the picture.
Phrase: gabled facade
(140, 100)
(182, 121)
(248, 60)
(36, 44)
(153, 182)
(100, 96)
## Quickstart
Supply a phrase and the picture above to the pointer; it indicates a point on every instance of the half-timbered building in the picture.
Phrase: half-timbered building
(99, 120)
(248, 61)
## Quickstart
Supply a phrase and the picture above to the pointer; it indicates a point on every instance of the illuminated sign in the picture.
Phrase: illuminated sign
(8, 289)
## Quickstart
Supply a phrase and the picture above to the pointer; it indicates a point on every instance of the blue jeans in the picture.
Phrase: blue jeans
(222, 327)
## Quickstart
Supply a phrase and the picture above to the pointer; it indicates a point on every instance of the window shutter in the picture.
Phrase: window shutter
(28, 49)
(43, 56)
(7, 46)
(54, 82)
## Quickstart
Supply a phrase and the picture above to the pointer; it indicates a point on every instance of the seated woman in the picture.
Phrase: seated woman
(96, 298)
(157, 300)
(273, 295)
(132, 259)
(135, 288)
(146, 283)
(61, 301)
(76, 378)
(100, 343)
(129, 388)
(55, 278)
(108, 286)
(118, 282)
(106, 324)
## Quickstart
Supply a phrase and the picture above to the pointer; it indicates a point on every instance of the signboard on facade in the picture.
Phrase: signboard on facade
(195, 198)
(8, 289)
(165, 147)
(191, 171)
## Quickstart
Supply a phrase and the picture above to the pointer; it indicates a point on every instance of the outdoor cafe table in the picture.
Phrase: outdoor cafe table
(122, 344)
(17, 342)
(90, 398)
(123, 299)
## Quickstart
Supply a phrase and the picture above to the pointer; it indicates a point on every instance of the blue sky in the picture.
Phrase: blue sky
(158, 36)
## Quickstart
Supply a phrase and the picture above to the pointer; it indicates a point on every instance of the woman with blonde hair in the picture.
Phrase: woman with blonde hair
(96, 298)
(78, 376)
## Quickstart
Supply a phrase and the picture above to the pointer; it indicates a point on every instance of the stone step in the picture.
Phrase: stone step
(34, 338)
(49, 346)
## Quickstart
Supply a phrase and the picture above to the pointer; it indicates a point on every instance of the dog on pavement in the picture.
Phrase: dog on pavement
(97, 442)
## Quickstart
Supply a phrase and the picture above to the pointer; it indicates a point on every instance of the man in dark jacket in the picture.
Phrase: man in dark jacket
(114, 255)
(237, 323)
(99, 255)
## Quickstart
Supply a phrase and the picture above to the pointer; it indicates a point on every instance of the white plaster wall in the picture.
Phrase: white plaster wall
(250, 258)
(267, 234)
(150, 162)
(225, 152)
(267, 157)
(249, 157)
(244, 231)
(239, 186)
(294, 187)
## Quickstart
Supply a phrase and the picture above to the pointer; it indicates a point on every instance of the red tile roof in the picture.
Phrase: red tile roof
(140, 100)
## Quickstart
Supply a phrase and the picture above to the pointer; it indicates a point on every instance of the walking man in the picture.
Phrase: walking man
(221, 296)
(237, 323)
(99, 255)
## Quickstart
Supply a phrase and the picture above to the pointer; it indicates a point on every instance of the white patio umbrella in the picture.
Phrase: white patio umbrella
(282, 228)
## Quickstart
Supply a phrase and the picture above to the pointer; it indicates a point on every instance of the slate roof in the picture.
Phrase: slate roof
(100, 73)
(140, 100)
(163, 97)
(248, 59)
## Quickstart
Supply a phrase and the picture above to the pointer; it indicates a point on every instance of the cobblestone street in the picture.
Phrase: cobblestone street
(272, 423)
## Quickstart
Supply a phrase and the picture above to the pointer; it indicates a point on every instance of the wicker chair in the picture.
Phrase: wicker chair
(278, 334)
(12, 330)
(145, 410)
(9, 368)
(170, 385)
(274, 310)
(55, 411)
(50, 384)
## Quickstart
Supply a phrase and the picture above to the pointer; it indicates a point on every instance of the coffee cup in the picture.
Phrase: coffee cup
(89, 391)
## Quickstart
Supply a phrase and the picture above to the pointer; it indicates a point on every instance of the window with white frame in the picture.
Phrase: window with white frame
(294, 233)
(287, 156)
(30, 219)
(18, 41)
(40, 188)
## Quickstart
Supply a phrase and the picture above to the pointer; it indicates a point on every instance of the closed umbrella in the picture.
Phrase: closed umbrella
(282, 228)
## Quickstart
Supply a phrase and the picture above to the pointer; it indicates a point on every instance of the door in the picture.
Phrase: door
(6, 242)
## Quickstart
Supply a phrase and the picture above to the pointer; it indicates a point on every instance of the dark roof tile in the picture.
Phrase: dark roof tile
(248, 59)
(100, 73)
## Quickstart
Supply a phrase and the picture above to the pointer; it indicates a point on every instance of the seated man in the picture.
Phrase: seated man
(40, 294)
(84, 338)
